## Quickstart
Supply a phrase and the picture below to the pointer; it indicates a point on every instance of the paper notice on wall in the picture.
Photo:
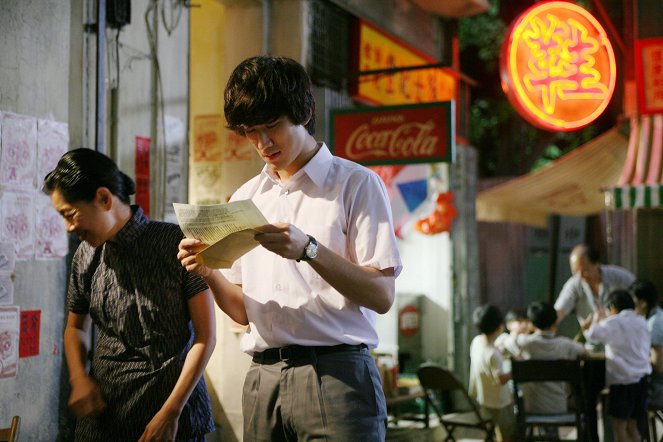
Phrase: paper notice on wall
(207, 136)
(17, 220)
(18, 159)
(7, 264)
(7, 257)
(52, 143)
(29, 337)
(6, 289)
(51, 240)
(9, 335)
(205, 184)
(143, 173)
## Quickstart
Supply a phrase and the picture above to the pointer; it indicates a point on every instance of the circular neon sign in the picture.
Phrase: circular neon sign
(557, 66)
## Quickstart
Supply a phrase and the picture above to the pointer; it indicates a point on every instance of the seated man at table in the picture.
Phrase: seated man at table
(544, 397)
(626, 338)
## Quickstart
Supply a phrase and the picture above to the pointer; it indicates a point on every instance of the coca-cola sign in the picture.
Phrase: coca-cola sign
(422, 133)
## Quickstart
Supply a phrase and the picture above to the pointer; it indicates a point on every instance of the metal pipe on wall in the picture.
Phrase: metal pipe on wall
(101, 75)
(156, 195)
(266, 26)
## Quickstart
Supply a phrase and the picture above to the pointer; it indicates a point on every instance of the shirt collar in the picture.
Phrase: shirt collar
(545, 333)
(316, 169)
(132, 229)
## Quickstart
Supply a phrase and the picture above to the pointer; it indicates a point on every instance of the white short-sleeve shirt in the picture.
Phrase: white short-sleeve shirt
(655, 324)
(627, 341)
(544, 397)
(346, 208)
(486, 366)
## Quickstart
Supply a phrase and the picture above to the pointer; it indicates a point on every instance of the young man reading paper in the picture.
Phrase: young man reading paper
(325, 267)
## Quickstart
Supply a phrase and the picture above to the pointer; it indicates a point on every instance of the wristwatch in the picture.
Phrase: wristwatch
(310, 251)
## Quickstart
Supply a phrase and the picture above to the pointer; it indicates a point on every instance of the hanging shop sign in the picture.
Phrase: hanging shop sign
(558, 66)
(649, 68)
(421, 133)
(377, 50)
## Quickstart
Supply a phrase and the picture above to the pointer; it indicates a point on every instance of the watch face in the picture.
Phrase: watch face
(311, 250)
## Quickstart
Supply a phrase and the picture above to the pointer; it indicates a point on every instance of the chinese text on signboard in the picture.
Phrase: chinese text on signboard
(558, 66)
(649, 64)
(377, 50)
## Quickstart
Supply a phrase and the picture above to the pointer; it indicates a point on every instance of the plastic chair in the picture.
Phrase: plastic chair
(557, 370)
(438, 381)
(10, 434)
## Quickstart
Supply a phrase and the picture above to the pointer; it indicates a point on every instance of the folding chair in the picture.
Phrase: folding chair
(532, 426)
(437, 381)
(655, 418)
(10, 434)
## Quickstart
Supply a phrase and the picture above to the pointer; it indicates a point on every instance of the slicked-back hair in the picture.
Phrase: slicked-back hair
(264, 88)
(80, 172)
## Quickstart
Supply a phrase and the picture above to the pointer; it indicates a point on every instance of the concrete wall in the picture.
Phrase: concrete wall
(34, 81)
(47, 69)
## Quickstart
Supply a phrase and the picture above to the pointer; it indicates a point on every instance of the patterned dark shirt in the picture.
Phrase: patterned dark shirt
(136, 292)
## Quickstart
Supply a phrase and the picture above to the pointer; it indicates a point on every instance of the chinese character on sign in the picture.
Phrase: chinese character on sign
(649, 67)
(558, 68)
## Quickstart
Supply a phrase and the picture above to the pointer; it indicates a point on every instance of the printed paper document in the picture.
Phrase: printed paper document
(227, 229)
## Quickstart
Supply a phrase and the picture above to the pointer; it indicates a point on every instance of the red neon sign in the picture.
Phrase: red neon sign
(557, 66)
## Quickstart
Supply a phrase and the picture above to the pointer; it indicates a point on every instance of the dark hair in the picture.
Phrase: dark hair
(588, 251)
(515, 315)
(264, 88)
(80, 172)
(487, 318)
(542, 315)
(645, 290)
(620, 299)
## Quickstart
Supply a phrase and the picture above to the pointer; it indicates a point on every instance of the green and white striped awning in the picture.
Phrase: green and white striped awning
(631, 197)
(641, 182)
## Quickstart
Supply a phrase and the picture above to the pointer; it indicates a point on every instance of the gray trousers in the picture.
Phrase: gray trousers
(329, 397)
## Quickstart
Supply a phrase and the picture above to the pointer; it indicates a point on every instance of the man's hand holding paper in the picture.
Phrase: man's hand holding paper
(227, 229)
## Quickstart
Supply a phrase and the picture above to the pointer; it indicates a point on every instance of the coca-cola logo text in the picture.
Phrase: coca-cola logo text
(406, 140)
(421, 133)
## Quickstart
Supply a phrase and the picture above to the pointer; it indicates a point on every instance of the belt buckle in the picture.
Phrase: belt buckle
(283, 354)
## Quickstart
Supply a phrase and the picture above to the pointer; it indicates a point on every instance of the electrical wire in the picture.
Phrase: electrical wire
(161, 142)
(175, 9)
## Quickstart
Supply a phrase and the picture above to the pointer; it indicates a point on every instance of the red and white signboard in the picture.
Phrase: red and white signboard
(421, 133)
(649, 66)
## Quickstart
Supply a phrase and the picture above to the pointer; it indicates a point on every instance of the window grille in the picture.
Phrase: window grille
(329, 49)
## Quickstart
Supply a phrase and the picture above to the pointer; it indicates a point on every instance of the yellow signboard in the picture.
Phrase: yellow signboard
(377, 50)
